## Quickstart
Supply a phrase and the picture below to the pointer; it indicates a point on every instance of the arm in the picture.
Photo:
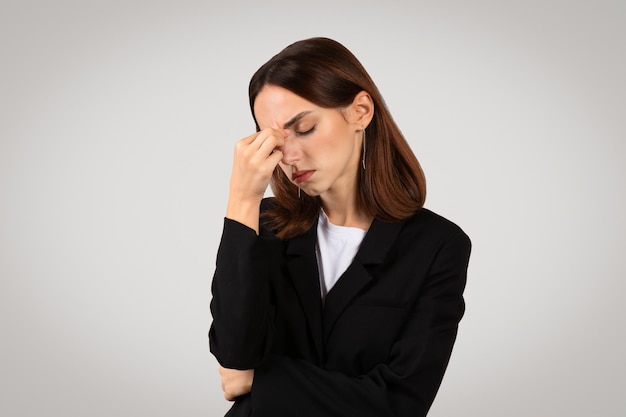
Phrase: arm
(240, 334)
(240, 304)
(406, 385)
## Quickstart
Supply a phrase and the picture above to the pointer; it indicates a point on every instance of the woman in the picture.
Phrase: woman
(341, 296)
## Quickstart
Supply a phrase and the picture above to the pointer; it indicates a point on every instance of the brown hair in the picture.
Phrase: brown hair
(324, 72)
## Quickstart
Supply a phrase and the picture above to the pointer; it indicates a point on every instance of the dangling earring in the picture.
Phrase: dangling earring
(298, 192)
(363, 159)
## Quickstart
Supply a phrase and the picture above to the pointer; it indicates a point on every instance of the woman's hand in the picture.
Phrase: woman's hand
(256, 156)
(236, 383)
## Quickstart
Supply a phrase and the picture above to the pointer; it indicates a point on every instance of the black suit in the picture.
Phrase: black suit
(378, 346)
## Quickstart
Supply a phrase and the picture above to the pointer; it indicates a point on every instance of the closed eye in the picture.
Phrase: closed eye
(307, 132)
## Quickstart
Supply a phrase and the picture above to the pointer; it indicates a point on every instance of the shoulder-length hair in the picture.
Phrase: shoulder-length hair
(392, 187)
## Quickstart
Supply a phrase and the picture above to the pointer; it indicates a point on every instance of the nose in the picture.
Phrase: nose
(291, 151)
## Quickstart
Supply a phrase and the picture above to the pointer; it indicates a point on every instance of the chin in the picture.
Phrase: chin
(312, 192)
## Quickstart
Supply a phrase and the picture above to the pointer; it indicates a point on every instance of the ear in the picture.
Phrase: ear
(362, 109)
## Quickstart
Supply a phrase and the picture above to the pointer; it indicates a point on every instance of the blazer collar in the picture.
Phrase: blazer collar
(372, 252)
(302, 265)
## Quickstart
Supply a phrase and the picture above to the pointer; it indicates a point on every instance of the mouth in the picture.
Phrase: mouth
(301, 176)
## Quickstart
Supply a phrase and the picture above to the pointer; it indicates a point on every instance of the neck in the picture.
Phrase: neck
(343, 210)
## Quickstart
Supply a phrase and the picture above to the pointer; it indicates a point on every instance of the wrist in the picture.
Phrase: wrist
(244, 211)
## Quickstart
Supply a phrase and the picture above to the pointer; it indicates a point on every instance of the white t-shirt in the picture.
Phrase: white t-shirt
(335, 250)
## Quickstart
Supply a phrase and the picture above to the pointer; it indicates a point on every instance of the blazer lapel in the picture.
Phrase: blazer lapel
(373, 251)
(302, 265)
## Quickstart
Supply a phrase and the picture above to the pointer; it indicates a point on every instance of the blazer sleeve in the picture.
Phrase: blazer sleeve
(406, 385)
(240, 334)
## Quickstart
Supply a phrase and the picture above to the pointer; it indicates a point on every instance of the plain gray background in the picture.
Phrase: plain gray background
(117, 123)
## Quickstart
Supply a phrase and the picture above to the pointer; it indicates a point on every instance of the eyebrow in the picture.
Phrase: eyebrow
(295, 119)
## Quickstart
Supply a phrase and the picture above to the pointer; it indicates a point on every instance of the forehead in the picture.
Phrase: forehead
(274, 106)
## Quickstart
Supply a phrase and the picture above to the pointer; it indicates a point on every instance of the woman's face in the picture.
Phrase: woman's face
(322, 149)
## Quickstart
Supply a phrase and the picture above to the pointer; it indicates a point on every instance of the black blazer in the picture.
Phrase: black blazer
(378, 346)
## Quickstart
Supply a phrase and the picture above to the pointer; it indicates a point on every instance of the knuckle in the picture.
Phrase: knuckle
(254, 164)
(239, 147)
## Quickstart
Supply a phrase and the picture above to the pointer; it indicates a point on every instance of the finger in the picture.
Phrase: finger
(274, 159)
(261, 158)
(274, 136)
(271, 144)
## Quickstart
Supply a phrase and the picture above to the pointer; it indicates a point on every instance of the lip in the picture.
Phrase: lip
(301, 176)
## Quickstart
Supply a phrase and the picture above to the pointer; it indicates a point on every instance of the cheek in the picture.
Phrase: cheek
(335, 145)
(325, 144)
